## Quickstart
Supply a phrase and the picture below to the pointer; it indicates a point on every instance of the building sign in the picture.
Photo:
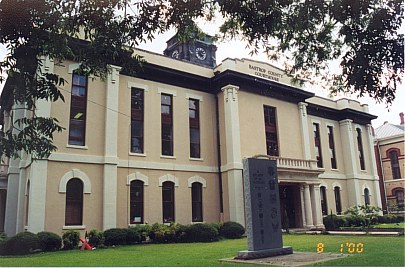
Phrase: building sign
(270, 74)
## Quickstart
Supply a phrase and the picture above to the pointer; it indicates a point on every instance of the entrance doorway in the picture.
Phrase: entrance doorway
(290, 206)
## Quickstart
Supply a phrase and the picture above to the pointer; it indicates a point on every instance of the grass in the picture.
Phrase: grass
(390, 225)
(378, 251)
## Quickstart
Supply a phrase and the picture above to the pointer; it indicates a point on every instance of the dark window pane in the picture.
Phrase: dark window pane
(168, 202)
(337, 201)
(78, 107)
(324, 204)
(196, 196)
(136, 202)
(271, 131)
(74, 202)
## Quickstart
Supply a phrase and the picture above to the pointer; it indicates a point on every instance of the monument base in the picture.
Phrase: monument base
(257, 254)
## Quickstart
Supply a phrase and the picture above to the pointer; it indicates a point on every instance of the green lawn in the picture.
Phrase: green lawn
(390, 225)
(378, 251)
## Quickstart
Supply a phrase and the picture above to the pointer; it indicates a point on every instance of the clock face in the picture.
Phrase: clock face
(200, 53)
(175, 54)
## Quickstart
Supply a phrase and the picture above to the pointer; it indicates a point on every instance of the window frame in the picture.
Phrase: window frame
(194, 124)
(394, 162)
(137, 116)
(338, 200)
(270, 128)
(78, 104)
(324, 202)
(168, 206)
(167, 139)
(73, 202)
(135, 204)
(366, 193)
(360, 149)
(332, 148)
(197, 214)
(318, 144)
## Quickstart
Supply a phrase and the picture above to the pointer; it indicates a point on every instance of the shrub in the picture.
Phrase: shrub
(71, 239)
(96, 238)
(115, 236)
(3, 238)
(161, 233)
(232, 229)
(133, 236)
(21, 244)
(199, 232)
(332, 222)
(216, 225)
(143, 230)
(356, 221)
(49, 241)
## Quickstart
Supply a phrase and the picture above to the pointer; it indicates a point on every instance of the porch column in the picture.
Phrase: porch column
(304, 130)
(316, 206)
(308, 206)
(233, 154)
(304, 222)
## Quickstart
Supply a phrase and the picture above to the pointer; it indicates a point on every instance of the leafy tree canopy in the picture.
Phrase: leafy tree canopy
(363, 35)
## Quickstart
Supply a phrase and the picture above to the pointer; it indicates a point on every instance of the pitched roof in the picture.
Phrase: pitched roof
(389, 130)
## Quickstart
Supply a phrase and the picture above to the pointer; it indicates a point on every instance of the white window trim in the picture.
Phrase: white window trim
(169, 177)
(198, 179)
(172, 92)
(131, 85)
(365, 186)
(138, 176)
(195, 97)
(336, 184)
(75, 173)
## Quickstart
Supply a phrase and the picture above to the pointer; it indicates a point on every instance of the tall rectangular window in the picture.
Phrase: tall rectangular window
(337, 200)
(318, 148)
(136, 201)
(167, 124)
(78, 106)
(360, 149)
(196, 197)
(332, 147)
(270, 124)
(324, 203)
(396, 171)
(194, 124)
(137, 119)
(168, 201)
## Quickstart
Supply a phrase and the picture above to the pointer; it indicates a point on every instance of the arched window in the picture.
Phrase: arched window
(399, 196)
(136, 202)
(74, 202)
(396, 171)
(337, 200)
(168, 201)
(196, 197)
(366, 197)
(324, 204)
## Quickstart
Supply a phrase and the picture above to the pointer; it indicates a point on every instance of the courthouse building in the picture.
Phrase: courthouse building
(167, 144)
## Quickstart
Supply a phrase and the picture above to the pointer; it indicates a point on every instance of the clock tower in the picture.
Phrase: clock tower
(201, 50)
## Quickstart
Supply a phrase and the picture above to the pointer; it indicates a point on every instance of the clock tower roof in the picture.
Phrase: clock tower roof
(199, 50)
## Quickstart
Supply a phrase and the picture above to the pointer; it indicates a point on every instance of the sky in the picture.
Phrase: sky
(237, 49)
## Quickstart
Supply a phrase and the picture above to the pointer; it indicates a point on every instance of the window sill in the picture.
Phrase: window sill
(196, 159)
(197, 222)
(77, 147)
(334, 169)
(137, 154)
(136, 224)
(168, 157)
(74, 227)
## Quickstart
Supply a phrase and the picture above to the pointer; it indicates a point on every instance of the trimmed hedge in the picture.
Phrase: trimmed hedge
(115, 236)
(71, 239)
(232, 230)
(49, 241)
(133, 236)
(199, 232)
(21, 244)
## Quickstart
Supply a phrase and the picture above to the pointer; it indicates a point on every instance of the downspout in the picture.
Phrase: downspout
(382, 175)
(221, 198)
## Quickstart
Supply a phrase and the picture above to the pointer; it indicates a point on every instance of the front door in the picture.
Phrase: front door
(289, 208)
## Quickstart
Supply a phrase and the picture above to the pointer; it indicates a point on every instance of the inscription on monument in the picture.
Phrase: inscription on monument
(262, 206)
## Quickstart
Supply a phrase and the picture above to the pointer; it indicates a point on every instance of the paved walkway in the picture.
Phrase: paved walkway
(292, 260)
